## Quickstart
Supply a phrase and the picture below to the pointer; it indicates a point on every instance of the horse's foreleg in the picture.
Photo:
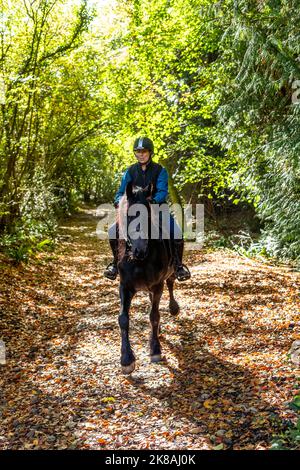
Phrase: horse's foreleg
(127, 356)
(155, 350)
(173, 304)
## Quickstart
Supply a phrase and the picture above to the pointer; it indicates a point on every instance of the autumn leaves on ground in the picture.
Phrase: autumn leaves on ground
(225, 381)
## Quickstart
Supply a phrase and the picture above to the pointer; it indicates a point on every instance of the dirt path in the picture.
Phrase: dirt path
(225, 381)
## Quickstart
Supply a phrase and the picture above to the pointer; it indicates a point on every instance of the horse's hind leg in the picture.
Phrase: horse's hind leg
(173, 304)
(127, 356)
(155, 350)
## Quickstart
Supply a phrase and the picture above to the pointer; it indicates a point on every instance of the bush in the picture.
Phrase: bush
(289, 439)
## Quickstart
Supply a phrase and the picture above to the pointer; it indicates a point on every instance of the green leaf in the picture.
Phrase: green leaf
(43, 243)
(219, 447)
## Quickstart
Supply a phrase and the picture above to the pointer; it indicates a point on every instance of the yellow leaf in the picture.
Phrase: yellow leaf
(108, 400)
(209, 404)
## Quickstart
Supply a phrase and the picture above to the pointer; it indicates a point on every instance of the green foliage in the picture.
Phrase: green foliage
(37, 219)
(289, 439)
(22, 247)
(51, 104)
(258, 121)
(213, 83)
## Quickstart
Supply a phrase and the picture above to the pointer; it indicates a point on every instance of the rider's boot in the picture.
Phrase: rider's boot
(182, 272)
(111, 270)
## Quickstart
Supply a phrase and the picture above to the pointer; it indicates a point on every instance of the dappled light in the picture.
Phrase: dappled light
(185, 107)
(225, 375)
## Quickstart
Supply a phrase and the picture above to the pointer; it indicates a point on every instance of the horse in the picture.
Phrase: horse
(144, 265)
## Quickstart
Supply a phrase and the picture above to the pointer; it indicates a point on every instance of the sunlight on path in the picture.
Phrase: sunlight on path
(224, 381)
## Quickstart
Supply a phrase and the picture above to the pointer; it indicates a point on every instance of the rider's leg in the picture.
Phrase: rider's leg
(182, 272)
(111, 270)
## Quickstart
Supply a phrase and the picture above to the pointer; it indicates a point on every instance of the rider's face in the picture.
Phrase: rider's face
(142, 155)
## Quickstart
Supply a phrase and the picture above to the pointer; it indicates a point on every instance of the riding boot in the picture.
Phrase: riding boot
(182, 272)
(111, 270)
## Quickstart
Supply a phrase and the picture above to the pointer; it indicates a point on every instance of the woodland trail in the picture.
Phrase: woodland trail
(225, 381)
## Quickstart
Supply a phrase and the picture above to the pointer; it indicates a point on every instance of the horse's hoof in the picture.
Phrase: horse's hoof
(156, 358)
(174, 308)
(128, 369)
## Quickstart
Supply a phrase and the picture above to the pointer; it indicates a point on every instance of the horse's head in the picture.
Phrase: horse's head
(138, 219)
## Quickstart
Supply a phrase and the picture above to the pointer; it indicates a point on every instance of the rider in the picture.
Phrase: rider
(142, 173)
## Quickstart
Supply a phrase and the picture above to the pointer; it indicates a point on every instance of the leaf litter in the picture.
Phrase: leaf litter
(225, 380)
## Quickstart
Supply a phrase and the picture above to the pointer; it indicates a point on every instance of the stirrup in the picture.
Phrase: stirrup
(184, 276)
(111, 273)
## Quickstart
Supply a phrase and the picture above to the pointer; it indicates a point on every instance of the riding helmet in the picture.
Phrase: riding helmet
(143, 143)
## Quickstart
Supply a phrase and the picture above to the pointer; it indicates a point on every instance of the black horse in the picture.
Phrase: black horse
(144, 264)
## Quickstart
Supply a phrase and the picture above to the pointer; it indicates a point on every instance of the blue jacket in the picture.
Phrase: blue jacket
(160, 194)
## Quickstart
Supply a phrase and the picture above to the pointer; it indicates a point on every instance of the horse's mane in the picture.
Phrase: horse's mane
(121, 216)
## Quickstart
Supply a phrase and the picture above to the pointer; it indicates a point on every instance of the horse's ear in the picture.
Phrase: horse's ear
(129, 190)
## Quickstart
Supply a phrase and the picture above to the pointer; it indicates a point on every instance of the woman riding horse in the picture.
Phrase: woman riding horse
(146, 261)
(144, 173)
